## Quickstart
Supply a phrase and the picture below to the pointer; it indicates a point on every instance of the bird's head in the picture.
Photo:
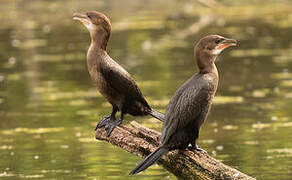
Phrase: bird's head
(93, 20)
(209, 47)
(97, 24)
(213, 45)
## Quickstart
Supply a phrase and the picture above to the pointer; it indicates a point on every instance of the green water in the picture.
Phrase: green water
(49, 107)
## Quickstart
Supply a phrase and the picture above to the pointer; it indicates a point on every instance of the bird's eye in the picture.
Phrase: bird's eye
(218, 41)
(88, 16)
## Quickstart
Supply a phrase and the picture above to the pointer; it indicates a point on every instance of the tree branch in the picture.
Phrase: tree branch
(186, 164)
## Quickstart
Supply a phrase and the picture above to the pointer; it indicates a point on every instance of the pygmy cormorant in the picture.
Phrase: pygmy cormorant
(112, 80)
(189, 106)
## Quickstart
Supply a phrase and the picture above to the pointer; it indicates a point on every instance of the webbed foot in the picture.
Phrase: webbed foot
(196, 148)
(111, 125)
(102, 122)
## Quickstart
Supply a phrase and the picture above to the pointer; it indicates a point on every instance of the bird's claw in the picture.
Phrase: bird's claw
(102, 122)
(196, 148)
(109, 127)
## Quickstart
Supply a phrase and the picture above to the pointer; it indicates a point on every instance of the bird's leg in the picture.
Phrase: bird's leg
(113, 123)
(106, 119)
(120, 120)
(193, 144)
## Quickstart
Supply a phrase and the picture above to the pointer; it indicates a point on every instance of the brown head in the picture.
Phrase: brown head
(98, 25)
(208, 48)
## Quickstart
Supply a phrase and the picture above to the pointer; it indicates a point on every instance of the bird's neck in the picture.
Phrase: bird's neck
(211, 68)
(99, 39)
(97, 48)
(206, 63)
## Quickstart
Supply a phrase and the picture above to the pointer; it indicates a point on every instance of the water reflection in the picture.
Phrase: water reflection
(48, 105)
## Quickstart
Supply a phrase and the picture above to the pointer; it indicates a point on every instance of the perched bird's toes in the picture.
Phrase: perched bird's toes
(111, 126)
(99, 125)
(119, 121)
(102, 122)
(109, 129)
(197, 148)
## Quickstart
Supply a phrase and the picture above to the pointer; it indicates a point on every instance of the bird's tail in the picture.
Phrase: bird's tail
(149, 160)
(157, 115)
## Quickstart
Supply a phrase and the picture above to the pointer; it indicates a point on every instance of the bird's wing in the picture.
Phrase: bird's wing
(185, 106)
(121, 81)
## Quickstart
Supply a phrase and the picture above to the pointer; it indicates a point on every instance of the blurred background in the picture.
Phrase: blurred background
(49, 107)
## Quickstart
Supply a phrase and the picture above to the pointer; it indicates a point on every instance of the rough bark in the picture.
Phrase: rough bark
(186, 164)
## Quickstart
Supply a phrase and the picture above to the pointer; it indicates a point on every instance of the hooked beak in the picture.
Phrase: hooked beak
(82, 18)
(226, 43)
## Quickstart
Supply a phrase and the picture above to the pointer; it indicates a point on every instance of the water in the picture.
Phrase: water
(49, 107)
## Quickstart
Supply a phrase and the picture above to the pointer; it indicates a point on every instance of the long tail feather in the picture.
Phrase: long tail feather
(149, 160)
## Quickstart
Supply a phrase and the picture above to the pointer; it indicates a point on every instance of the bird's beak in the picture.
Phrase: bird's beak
(82, 18)
(227, 43)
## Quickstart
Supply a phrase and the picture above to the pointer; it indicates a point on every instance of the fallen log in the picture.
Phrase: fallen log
(186, 164)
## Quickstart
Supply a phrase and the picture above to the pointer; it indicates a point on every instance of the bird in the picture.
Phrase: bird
(111, 79)
(190, 104)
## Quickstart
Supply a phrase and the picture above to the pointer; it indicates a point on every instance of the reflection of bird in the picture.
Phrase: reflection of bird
(189, 106)
(113, 81)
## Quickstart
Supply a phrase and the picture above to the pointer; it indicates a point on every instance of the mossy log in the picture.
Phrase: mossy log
(185, 164)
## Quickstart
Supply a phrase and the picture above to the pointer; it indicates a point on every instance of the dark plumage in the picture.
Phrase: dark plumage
(188, 108)
(112, 80)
